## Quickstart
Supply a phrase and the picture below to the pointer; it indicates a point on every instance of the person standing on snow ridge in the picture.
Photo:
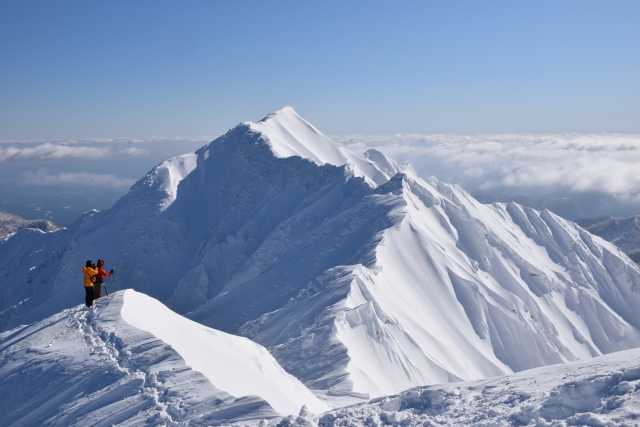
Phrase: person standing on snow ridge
(97, 286)
(89, 271)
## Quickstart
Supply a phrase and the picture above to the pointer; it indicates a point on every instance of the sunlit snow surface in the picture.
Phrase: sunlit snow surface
(131, 361)
(361, 278)
(169, 174)
(604, 391)
(234, 364)
(289, 135)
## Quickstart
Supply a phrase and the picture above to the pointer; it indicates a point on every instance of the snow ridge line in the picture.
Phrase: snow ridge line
(113, 347)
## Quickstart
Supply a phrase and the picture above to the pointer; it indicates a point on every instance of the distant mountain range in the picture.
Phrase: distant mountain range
(573, 207)
(622, 232)
(13, 223)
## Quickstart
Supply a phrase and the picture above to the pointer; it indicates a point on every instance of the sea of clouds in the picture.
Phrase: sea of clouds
(518, 163)
(507, 164)
(61, 179)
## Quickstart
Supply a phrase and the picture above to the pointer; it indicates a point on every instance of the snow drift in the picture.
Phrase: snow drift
(603, 391)
(360, 277)
(131, 361)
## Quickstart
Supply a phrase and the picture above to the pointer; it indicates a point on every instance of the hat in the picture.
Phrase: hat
(100, 263)
(88, 264)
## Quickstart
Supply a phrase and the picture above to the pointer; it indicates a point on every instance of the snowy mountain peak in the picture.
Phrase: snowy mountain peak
(288, 135)
(360, 277)
(383, 163)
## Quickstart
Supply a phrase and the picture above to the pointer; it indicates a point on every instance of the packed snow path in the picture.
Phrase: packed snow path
(92, 367)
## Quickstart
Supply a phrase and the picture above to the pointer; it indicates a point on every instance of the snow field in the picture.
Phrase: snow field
(360, 278)
(234, 364)
(603, 391)
(91, 367)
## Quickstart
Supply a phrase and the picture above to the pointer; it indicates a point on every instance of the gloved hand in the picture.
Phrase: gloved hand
(111, 272)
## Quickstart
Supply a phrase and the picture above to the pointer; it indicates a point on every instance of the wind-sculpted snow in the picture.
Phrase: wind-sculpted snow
(98, 367)
(459, 290)
(360, 277)
(603, 391)
(171, 172)
(289, 135)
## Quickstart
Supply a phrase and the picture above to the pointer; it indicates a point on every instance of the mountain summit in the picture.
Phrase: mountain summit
(360, 277)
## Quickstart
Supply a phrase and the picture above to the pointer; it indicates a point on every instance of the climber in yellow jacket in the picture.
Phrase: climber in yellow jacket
(89, 271)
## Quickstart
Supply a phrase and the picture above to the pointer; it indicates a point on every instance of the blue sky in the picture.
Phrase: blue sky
(79, 80)
(138, 69)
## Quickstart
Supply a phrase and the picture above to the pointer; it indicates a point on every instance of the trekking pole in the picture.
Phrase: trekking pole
(105, 288)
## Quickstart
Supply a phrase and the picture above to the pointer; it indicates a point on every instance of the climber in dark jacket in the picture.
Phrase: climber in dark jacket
(89, 271)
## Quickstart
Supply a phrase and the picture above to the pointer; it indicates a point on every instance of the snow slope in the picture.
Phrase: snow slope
(360, 277)
(603, 391)
(290, 135)
(460, 290)
(234, 364)
(131, 361)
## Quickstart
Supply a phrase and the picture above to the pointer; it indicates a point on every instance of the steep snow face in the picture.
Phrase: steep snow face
(168, 174)
(234, 364)
(103, 367)
(483, 290)
(288, 135)
(357, 287)
(603, 391)
(459, 290)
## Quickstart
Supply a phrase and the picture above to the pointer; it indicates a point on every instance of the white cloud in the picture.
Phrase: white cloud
(153, 139)
(43, 177)
(133, 151)
(48, 151)
(607, 163)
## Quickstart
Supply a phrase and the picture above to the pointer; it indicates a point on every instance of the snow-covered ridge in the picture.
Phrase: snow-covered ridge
(461, 290)
(357, 288)
(288, 135)
(131, 361)
(168, 174)
(234, 364)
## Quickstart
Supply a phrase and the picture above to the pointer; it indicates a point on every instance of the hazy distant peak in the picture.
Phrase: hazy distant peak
(10, 223)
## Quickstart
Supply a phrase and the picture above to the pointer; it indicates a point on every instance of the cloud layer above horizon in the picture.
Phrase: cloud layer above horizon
(93, 180)
(518, 163)
(48, 151)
